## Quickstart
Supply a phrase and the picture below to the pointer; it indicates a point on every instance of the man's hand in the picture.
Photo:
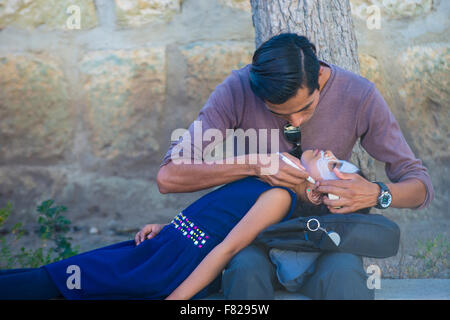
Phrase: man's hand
(147, 232)
(286, 175)
(354, 192)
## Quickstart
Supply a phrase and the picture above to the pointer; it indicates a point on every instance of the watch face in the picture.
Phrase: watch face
(385, 200)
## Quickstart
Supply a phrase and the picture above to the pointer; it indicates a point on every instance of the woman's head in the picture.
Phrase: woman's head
(320, 164)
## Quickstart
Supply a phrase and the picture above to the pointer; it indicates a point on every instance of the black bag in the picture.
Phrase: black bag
(368, 235)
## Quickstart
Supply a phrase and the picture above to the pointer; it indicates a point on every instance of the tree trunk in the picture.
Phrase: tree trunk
(326, 23)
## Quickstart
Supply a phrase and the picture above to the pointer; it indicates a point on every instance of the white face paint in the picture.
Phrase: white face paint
(324, 169)
(348, 167)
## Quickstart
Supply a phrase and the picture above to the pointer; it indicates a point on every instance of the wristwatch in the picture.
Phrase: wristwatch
(385, 197)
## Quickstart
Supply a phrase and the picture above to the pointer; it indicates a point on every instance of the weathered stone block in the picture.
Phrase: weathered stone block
(36, 118)
(243, 5)
(371, 69)
(26, 187)
(131, 13)
(125, 96)
(209, 63)
(426, 96)
(393, 9)
(128, 201)
(50, 14)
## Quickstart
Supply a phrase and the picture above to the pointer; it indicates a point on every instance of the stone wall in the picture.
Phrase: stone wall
(86, 114)
(408, 59)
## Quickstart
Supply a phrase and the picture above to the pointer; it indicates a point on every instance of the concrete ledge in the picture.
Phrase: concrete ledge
(391, 289)
(414, 289)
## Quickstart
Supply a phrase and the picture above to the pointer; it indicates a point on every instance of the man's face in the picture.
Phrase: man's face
(298, 109)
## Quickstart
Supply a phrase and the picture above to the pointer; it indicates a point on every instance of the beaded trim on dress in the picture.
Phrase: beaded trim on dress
(190, 230)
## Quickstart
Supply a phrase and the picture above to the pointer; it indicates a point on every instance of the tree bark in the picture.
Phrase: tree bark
(326, 23)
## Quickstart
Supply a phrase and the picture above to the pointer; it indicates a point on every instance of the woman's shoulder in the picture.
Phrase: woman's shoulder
(251, 184)
(238, 189)
(247, 181)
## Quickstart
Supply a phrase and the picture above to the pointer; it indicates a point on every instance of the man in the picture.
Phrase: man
(287, 84)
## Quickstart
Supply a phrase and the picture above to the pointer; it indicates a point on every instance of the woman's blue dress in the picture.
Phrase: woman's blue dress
(154, 268)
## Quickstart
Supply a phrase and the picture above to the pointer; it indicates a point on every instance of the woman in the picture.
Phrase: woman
(178, 262)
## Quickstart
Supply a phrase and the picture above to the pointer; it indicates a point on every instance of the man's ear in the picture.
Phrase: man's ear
(320, 70)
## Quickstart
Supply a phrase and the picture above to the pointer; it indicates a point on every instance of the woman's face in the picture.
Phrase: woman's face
(319, 163)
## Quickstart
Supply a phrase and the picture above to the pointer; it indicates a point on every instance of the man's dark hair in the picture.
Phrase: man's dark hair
(282, 65)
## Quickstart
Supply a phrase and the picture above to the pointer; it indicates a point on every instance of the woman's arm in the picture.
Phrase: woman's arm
(271, 206)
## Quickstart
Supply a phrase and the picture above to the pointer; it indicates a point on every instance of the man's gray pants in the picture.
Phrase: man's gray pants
(251, 275)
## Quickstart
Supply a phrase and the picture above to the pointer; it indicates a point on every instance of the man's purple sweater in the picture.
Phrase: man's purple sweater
(350, 107)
